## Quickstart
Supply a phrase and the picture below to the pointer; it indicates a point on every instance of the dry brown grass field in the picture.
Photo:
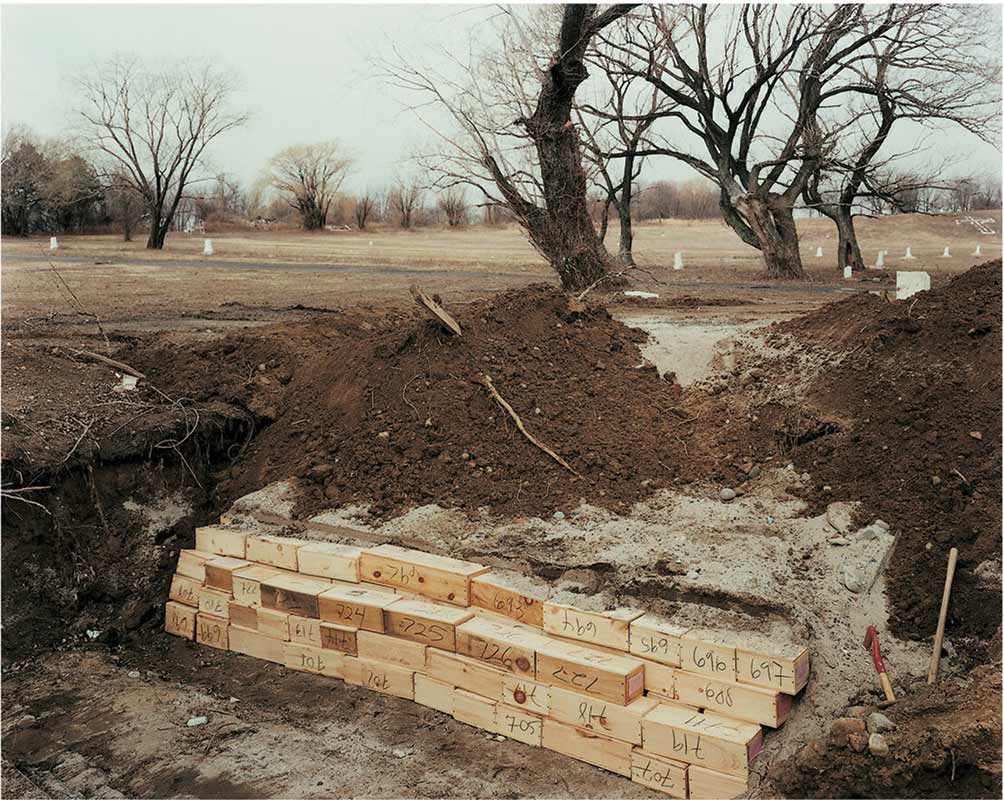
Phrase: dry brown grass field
(278, 269)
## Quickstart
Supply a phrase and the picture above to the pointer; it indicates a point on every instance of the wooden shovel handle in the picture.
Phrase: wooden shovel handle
(932, 673)
(887, 687)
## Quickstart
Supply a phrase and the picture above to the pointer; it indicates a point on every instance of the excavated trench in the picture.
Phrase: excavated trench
(90, 558)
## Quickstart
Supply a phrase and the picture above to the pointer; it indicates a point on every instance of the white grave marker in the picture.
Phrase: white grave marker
(819, 252)
(946, 254)
(207, 247)
(53, 243)
(678, 261)
(977, 252)
(880, 261)
(848, 273)
(909, 256)
(909, 283)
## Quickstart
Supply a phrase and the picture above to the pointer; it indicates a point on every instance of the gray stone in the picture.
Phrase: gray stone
(869, 533)
(558, 515)
(134, 673)
(727, 494)
(877, 745)
(839, 541)
(881, 523)
(195, 722)
(879, 723)
(838, 516)
(755, 472)
(852, 579)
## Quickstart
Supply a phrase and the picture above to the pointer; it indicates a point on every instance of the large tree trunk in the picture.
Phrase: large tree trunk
(564, 233)
(313, 218)
(627, 235)
(773, 223)
(155, 241)
(848, 252)
(604, 221)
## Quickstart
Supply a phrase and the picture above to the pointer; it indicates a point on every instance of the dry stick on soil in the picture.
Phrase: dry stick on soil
(77, 306)
(76, 444)
(616, 275)
(11, 494)
(487, 381)
(111, 362)
(437, 310)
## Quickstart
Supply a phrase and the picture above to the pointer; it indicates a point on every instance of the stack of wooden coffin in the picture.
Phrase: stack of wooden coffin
(672, 707)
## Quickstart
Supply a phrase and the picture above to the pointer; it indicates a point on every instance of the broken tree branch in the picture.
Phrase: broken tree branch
(437, 310)
(111, 362)
(487, 381)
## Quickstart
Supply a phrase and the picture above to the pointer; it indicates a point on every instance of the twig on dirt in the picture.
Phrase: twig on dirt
(111, 362)
(964, 479)
(405, 398)
(12, 494)
(76, 444)
(26, 489)
(436, 310)
(909, 311)
(487, 381)
(614, 276)
(131, 420)
(77, 306)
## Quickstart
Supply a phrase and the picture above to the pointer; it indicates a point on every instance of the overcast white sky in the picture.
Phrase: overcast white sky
(305, 71)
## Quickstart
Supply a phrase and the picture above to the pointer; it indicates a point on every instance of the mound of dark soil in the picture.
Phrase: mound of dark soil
(920, 391)
(395, 413)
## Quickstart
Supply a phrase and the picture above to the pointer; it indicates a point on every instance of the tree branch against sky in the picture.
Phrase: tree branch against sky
(515, 140)
(154, 125)
(931, 71)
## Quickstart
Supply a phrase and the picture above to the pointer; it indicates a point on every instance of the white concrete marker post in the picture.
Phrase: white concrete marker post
(678, 261)
(946, 254)
(848, 273)
(909, 283)
(819, 252)
(909, 256)
(880, 261)
(977, 252)
(207, 247)
(53, 243)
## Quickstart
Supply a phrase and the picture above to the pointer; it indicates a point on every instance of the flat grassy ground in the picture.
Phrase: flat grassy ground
(328, 269)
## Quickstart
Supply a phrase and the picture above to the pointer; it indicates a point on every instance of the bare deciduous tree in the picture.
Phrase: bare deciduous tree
(155, 126)
(309, 177)
(364, 207)
(404, 199)
(930, 69)
(518, 144)
(453, 203)
(724, 73)
(123, 203)
(617, 120)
